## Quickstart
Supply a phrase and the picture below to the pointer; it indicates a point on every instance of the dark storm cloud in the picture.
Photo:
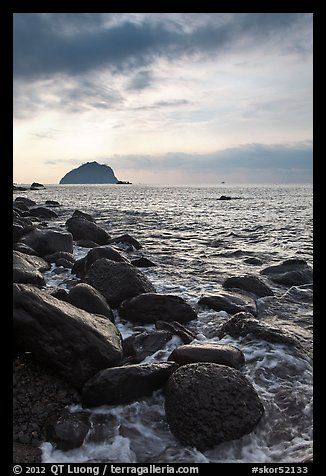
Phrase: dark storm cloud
(47, 44)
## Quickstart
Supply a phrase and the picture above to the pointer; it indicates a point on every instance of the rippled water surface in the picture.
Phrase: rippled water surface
(197, 241)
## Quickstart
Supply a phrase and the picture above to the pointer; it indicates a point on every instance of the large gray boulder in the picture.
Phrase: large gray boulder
(125, 384)
(83, 229)
(223, 354)
(207, 404)
(46, 242)
(117, 281)
(82, 266)
(151, 307)
(75, 343)
(28, 269)
(42, 212)
(249, 283)
(86, 297)
(229, 303)
(292, 272)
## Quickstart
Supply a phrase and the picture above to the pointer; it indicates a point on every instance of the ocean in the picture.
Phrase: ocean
(197, 241)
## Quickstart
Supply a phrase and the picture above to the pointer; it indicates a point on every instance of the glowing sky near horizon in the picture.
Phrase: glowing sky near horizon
(164, 98)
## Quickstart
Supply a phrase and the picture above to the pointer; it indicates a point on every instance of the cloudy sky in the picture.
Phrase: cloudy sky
(164, 97)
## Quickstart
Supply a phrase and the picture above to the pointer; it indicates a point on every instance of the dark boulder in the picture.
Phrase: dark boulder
(18, 232)
(126, 239)
(37, 186)
(125, 384)
(78, 268)
(52, 203)
(24, 249)
(292, 272)
(244, 324)
(69, 431)
(229, 303)
(82, 266)
(207, 404)
(27, 269)
(254, 261)
(224, 197)
(137, 347)
(86, 297)
(42, 212)
(223, 354)
(86, 216)
(21, 206)
(58, 255)
(86, 243)
(46, 242)
(142, 263)
(82, 229)
(27, 201)
(176, 329)
(74, 342)
(248, 283)
(150, 307)
(117, 281)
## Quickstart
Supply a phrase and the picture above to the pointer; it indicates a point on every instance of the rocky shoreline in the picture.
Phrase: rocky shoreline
(67, 349)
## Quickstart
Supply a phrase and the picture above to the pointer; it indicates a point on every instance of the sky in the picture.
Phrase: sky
(164, 97)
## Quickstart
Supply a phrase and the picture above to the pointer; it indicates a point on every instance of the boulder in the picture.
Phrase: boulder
(150, 307)
(27, 201)
(126, 239)
(37, 186)
(82, 229)
(86, 243)
(46, 242)
(54, 257)
(86, 297)
(82, 266)
(21, 206)
(52, 203)
(292, 272)
(27, 269)
(142, 263)
(17, 232)
(229, 303)
(249, 283)
(69, 431)
(223, 354)
(137, 347)
(42, 212)
(254, 261)
(86, 216)
(244, 324)
(224, 197)
(207, 404)
(119, 385)
(25, 249)
(176, 329)
(74, 342)
(117, 281)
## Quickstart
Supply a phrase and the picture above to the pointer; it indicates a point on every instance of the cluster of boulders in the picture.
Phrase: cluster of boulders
(71, 339)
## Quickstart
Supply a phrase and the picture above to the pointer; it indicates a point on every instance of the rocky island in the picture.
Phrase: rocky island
(90, 173)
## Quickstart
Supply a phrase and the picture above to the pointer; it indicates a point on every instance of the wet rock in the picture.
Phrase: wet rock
(142, 263)
(253, 261)
(27, 201)
(52, 203)
(56, 257)
(117, 281)
(86, 243)
(20, 206)
(27, 269)
(86, 297)
(150, 307)
(248, 283)
(27, 250)
(83, 229)
(37, 186)
(223, 354)
(102, 252)
(125, 384)
(26, 454)
(224, 197)
(85, 216)
(69, 431)
(292, 272)
(42, 212)
(74, 342)
(229, 303)
(46, 242)
(17, 232)
(244, 324)
(126, 239)
(137, 347)
(207, 404)
(176, 329)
